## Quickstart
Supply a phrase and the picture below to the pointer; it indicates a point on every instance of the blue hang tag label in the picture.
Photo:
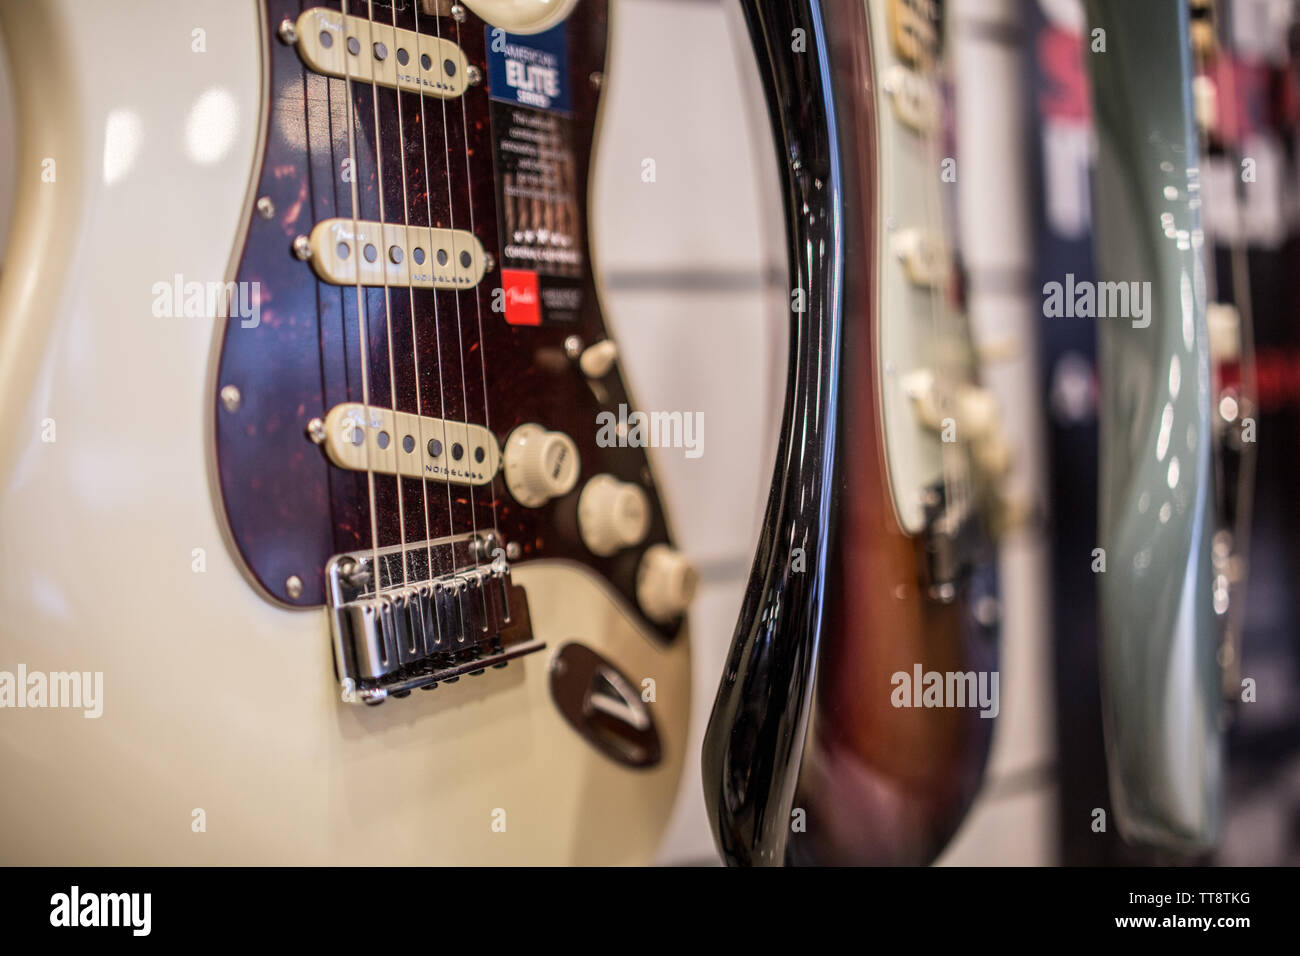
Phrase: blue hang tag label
(529, 70)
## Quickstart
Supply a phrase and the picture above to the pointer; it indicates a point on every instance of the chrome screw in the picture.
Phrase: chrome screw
(473, 75)
(596, 79)
(485, 546)
(513, 551)
(316, 430)
(293, 587)
(288, 32)
(458, 13)
(573, 346)
(489, 262)
(302, 248)
(265, 208)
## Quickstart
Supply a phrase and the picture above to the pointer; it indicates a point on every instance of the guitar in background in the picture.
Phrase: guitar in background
(1160, 635)
(874, 567)
(1231, 326)
(380, 481)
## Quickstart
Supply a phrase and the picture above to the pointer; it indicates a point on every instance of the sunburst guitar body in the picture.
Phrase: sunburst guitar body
(875, 572)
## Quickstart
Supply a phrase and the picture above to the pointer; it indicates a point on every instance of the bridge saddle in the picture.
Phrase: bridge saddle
(421, 628)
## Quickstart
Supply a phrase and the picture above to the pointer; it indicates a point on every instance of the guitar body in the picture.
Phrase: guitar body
(809, 757)
(1160, 637)
(150, 525)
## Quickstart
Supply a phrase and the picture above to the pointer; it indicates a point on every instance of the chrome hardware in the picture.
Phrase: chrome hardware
(436, 615)
(954, 543)
(485, 547)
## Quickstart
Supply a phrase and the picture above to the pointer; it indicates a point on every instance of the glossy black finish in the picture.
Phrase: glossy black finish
(756, 732)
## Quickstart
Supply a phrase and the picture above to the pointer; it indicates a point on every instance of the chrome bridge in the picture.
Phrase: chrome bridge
(428, 613)
(955, 541)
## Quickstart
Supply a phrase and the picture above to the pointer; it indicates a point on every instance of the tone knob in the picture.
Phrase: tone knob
(665, 583)
(612, 515)
(540, 465)
(520, 16)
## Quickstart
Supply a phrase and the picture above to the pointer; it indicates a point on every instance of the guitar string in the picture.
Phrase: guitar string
(478, 299)
(460, 335)
(363, 323)
(420, 449)
(927, 72)
(368, 56)
(428, 201)
(433, 294)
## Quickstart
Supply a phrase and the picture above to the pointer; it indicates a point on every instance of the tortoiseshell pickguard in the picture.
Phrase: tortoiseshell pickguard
(287, 507)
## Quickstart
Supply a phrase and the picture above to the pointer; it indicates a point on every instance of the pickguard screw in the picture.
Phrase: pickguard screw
(302, 248)
(473, 75)
(293, 587)
(316, 430)
(573, 346)
(231, 398)
(596, 78)
(288, 32)
(458, 13)
(513, 551)
(265, 208)
(489, 262)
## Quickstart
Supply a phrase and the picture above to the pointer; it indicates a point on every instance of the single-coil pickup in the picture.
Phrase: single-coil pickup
(358, 49)
(396, 255)
(373, 438)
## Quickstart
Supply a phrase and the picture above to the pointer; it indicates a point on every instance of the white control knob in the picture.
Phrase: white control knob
(540, 465)
(612, 515)
(665, 583)
(520, 16)
(596, 360)
(978, 413)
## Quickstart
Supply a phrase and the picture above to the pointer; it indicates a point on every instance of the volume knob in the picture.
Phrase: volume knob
(665, 583)
(539, 465)
(612, 515)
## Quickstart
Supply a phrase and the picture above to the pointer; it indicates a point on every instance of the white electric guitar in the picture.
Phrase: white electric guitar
(301, 360)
